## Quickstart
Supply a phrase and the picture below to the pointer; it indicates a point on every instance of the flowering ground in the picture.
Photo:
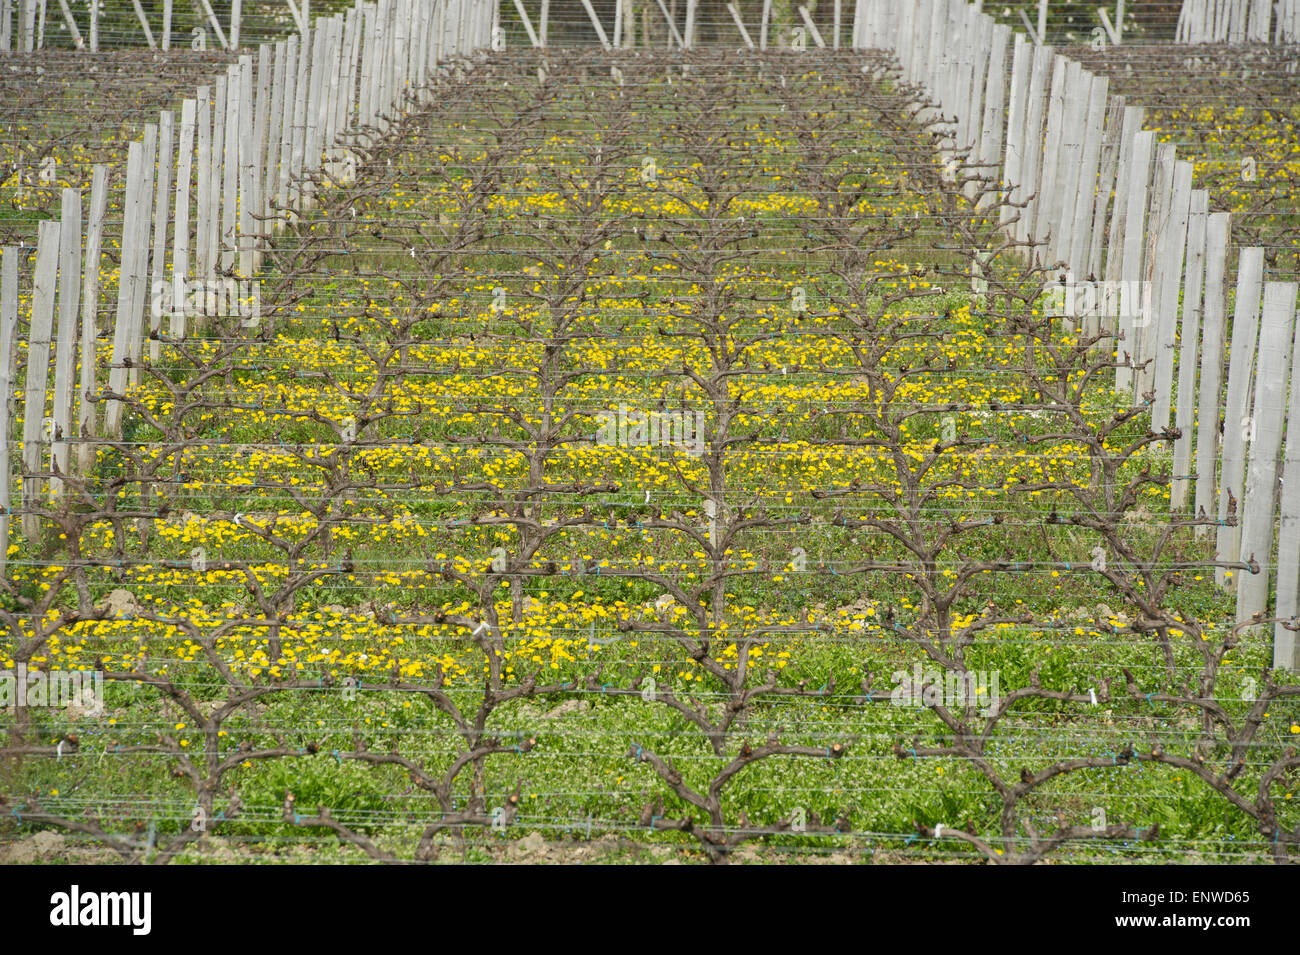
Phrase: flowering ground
(626, 457)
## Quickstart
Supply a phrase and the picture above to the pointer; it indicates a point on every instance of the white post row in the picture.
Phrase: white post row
(242, 145)
(1066, 146)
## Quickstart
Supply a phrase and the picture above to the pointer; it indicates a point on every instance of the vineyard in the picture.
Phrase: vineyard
(630, 455)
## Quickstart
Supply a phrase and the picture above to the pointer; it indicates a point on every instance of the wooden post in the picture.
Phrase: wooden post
(256, 199)
(1042, 20)
(528, 24)
(1211, 365)
(1134, 298)
(286, 130)
(181, 232)
(144, 23)
(1286, 643)
(212, 19)
(1275, 347)
(1153, 274)
(1017, 108)
(1106, 183)
(236, 13)
(1114, 248)
(215, 179)
(302, 89)
(740, 25)
(86, 416)
(1048, 199)
(995, 108)
(1174, 242)
(77, 41)
(167, 23)
(1031, 161)
(140, 239)
(6, 46)
(203, 182)
(600, 30)
(94, 28)
(1236, 423)
(808, 22)
(117, 382)
(163, 187)
(762, 29)
(247, 170)
(230, 172)
(1070, 159)
(1080, 233)
(38, 368)
(1189, 335)
(543, 20)
(65, 351)
(306, 164)
(8, 352)
(28, 12)
(672, 26)
(690, 23)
